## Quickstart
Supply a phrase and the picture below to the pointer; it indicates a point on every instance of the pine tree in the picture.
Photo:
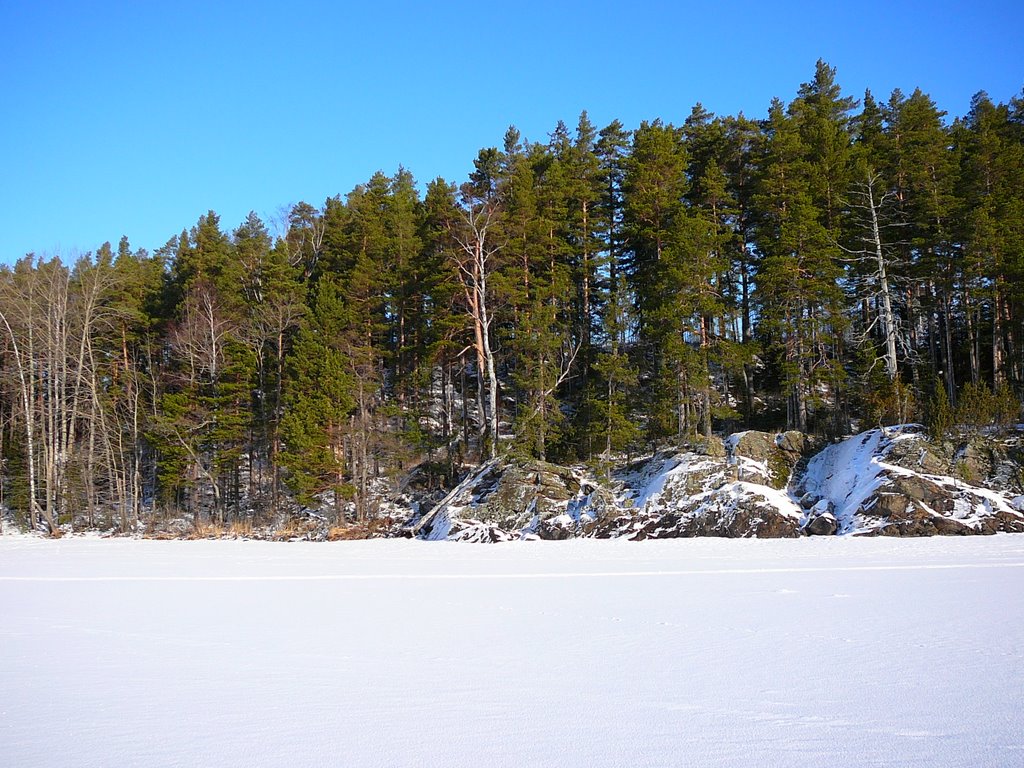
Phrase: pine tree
(617, 380)
(797, 291)
(204, 418)
(990, 205)
(544, 344)
(822, 116)
(318, 402)
(304, 241)
(923, 173)
(586, 233)
(276, 309)
(377, 240)
(582, 170)
(655, 220)
(403, 222)
(445, 334)
(739, 163)
(136, 315)
(721, 353)
(252, 248)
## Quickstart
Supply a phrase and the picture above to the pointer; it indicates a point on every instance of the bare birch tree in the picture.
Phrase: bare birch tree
(869, 203)
(476, 259)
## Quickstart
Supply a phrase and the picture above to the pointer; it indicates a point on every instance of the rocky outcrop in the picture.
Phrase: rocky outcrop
(913, 505)
(707, 489)
(901, 484)
(993, 461)
(753, 484)
(516, 498)
(767, 458)
(737, 510)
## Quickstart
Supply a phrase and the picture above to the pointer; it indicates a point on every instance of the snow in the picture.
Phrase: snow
(779, 500)
(649, 480)
(733, 440)
(646, 487)
(749, 469)
(849, 472)
(697, 486)
(709, 652)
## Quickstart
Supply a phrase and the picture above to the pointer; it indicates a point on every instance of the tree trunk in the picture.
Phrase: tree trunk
(998, 348)
(888, 318)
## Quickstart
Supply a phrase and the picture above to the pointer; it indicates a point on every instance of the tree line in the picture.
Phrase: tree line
(836, 264)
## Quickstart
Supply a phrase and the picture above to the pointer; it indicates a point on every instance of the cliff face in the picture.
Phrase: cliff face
(893, 482)
(901, 484)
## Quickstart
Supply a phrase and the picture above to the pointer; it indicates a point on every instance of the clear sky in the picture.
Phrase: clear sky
(135, 118)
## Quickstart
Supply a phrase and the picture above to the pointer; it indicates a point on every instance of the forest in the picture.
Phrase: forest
(834, 265)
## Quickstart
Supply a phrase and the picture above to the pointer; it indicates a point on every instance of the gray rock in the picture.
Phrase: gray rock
(553, 530)
(912, 505)
(822, 525)
(731, 511)
(713, 446)
(758, 446)
(516, 491)
(699, 494)
(792, 442)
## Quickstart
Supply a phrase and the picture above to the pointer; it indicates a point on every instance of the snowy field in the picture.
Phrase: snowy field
(700, 652)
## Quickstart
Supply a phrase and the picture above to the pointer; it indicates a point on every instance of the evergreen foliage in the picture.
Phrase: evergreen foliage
(593, 293)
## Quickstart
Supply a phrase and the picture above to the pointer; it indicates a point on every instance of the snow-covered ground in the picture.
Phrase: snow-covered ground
(705, 652)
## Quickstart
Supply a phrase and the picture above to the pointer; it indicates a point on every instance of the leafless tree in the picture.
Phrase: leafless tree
(476, 258)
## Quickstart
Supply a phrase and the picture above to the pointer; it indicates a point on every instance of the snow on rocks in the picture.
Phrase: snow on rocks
(897, 483)
(515, 498)
(710, 488)
(704, 492)
(734, 488)
(752, 484)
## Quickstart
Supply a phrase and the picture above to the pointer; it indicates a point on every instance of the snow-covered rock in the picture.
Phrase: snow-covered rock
(694, 493)
(516, 498)
(752, 484)
(899, 484)
(710, 488)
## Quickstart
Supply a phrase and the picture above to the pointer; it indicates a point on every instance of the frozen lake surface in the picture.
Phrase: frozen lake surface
(703, 652)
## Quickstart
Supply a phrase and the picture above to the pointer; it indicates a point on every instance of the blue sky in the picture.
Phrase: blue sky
(121, 118)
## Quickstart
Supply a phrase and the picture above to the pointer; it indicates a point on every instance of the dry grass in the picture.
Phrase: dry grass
(348, 532)
(356, 531)
(293, 528)
(238, 529)
(290, 529)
